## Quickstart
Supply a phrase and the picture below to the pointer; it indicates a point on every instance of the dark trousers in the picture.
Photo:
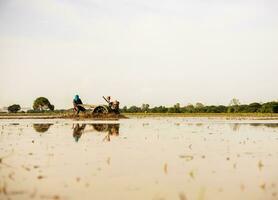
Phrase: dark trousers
(79, 108)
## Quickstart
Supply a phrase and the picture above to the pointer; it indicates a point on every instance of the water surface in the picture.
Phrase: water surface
(139, 158)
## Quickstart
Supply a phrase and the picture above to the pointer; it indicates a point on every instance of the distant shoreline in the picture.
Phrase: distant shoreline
(250, 116)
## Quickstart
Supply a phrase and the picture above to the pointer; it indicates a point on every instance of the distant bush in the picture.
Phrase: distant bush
(34, 111)
(14, 108)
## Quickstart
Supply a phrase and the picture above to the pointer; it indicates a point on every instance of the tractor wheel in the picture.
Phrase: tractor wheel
(100, 110)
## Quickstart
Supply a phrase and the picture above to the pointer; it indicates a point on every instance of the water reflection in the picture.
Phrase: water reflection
(78, 131)
(41, 128)
(109, 129)
(236, 126)
(269, 125)
(200, 161)
(14, 124)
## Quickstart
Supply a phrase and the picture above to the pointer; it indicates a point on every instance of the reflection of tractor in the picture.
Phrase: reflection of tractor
(112, 107)
(110, 129)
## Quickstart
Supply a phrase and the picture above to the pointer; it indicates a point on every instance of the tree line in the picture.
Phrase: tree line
(42, 104)
(233, 107)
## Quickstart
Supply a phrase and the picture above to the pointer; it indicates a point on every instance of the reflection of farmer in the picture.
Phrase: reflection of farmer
(77, 131)
(76, 104)
(113, 130)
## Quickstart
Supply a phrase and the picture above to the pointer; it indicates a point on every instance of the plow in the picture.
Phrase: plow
(111, 108)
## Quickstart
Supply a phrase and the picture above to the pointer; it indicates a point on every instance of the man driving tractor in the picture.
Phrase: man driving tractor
(113, 105)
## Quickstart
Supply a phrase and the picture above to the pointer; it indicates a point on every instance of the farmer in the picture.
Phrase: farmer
(76, 104)
(114, 105)
(109, 101)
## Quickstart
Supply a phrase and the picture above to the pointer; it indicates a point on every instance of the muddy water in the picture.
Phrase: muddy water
(148, 158)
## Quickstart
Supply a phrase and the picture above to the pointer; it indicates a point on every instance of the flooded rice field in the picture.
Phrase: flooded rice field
(139, 158)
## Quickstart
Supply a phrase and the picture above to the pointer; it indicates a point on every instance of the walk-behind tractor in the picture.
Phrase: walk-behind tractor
(112, 107)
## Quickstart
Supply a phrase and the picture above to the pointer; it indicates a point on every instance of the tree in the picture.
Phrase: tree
(189, 108)
(253, 107)
(42, 103)
(145, 107)
(216, 109)
(134, 109)
(270, 107)
(199, 105)
(234, 106)
(175, 109)
(234, 102)
(14, 108)
(124, 109)
(159, 109)
(51, 107)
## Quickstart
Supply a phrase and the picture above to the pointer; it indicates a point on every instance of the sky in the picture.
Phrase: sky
(138, 51)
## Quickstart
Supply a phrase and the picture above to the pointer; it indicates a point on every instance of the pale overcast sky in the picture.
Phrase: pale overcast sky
(139, 51)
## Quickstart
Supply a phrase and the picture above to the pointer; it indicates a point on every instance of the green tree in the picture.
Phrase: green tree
(175, 109)
(234, 106)
(134, 109)
(242, 108)
(159, 109)
(199, 105)
(14, 108)
(253, 107)
(124, 109)
(42, 103)
(145, 107)
(269, 107)
(189, 108)
(216, 109)
(51, 107)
